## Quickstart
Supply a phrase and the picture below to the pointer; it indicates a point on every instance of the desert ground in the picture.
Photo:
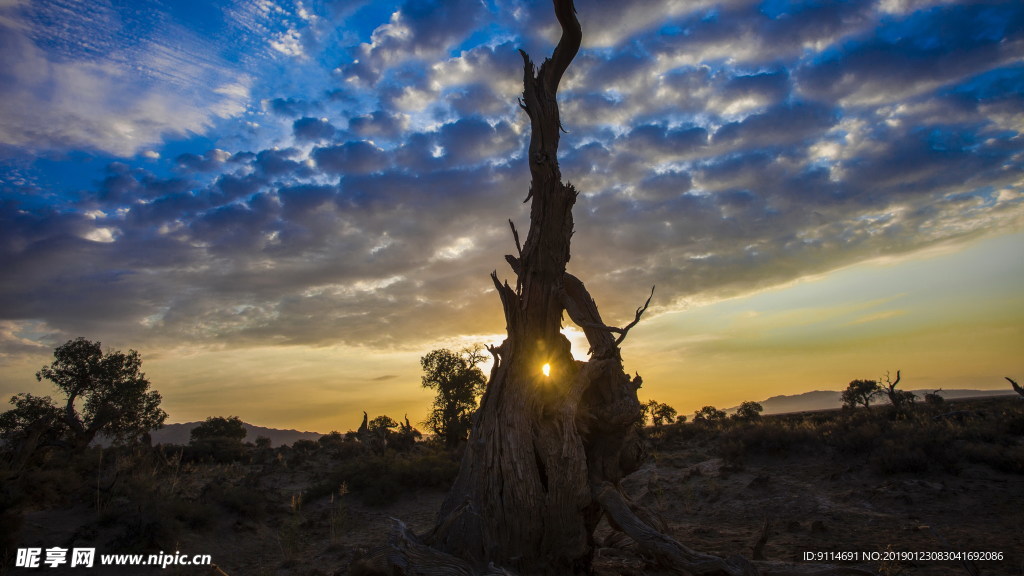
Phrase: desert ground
(889, 494)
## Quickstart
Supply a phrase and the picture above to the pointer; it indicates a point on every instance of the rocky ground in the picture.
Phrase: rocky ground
(714, 498)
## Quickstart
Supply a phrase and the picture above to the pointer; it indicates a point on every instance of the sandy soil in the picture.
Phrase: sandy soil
(815, 503)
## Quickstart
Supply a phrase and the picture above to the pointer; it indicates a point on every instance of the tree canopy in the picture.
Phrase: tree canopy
(114, 394)
(860, 393)
(709, 415)
(230, 429)
(748, 411)
(32, 416)
(458, 382)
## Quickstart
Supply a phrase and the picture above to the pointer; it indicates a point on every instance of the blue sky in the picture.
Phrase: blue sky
(324, 184)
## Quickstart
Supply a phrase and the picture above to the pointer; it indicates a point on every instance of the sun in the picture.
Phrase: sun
(546, 369)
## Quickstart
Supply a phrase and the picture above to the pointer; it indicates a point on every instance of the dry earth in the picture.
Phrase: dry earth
(815, 502)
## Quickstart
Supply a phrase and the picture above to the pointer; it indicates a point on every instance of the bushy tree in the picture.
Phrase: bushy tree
(748, 411)
(860, 393)
(113, 392)
(383, 424)
(458, 382)
(30, 412)
(900, 400)
(219, 439)
(659, 413)
(405, 437)
(34, 421)
(933, 398)
(230, 429)
(709, 415)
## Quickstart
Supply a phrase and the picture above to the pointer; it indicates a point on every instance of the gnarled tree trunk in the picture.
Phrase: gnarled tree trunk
(547, 451)
(524, 496)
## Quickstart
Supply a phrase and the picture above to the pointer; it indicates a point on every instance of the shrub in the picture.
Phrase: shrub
(709, 415)
(892, 458)
(748, 411)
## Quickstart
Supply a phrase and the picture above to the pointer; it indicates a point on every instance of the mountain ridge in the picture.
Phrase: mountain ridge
(181, 433)
(832, 399)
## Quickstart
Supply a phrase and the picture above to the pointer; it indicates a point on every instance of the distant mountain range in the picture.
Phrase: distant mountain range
(807, 402)
(181, 434)
(830, 399)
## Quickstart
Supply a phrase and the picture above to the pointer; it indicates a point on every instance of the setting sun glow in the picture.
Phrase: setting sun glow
(546, 369)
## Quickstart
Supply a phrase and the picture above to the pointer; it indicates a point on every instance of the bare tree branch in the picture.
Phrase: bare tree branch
(568, 45)
(639, 312)
(515, 235)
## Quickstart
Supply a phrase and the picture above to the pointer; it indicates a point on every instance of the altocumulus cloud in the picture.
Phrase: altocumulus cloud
(356, 167)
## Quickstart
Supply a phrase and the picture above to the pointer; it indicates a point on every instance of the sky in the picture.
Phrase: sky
(284, 205)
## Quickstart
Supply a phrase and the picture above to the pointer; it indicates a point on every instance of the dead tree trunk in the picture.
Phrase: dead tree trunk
(523, 497)
(548, 447)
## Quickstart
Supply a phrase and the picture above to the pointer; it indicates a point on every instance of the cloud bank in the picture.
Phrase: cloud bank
(359, 170)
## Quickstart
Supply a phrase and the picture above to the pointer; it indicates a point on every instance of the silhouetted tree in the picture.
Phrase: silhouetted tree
(709, 415)
(218, 438)
(230, 429)
(748, 411)
(659, 413)
(405, 437)
(34, 421)
(382, 424)
(31, 412)
(458, 382)
(860, 393)
(900, 400)
(114, 394)
(933, 398)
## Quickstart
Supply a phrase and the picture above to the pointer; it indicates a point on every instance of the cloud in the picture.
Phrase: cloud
(207, 162)
(75, 87)
(719, 149)
(313, 129)
(353, 157)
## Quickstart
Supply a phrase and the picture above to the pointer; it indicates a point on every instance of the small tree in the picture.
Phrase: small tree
(658, 412)
(230, 429)
(406, 436)
(860, 393)
(901, 400)
(458, 382)
(382, 425)
(933, 398)
(31, 412)
(748, 412)
(709, 415)
(114, 393)
(34, 421)
(218, 438)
